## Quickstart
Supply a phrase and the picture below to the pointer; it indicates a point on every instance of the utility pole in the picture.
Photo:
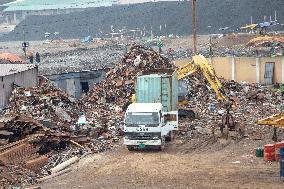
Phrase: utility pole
(194, 26)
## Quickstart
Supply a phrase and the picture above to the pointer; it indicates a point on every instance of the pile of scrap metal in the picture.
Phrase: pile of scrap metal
(42, 129)
(111, 96)
(29, 150)
(16, 128)
(250, 102)
(25, 144)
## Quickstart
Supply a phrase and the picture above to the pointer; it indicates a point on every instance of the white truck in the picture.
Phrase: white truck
(147, 126)
(153, 118)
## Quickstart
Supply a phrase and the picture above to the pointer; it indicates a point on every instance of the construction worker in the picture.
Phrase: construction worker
(37, 57)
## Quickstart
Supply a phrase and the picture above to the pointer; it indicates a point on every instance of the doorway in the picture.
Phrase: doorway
(269, 73)
(85, 87)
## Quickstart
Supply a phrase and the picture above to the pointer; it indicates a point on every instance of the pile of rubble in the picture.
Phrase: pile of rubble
(250, 102)
(42, 129)
(119, 82)
(111, 96)
(44, 103)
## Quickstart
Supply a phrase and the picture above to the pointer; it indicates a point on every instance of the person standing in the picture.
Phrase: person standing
(37, 57)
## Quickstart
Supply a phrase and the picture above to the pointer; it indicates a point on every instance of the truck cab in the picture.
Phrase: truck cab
(147, 126)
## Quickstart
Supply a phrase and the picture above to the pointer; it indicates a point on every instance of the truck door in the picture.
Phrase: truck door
(170, 122)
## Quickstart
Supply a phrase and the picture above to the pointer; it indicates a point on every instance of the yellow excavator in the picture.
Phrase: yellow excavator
(275, 121)
(199, 62)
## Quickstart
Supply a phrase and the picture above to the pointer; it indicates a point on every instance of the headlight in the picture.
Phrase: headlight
(155, 137)
(126, 137)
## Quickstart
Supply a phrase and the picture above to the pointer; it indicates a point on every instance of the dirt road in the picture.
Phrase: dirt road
(222, 164)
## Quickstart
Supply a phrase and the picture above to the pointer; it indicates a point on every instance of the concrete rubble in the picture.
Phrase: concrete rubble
(40, 130)
(250, 102)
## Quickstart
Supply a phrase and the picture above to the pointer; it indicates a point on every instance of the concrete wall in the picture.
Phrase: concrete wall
(219, 64)
(71, 82)
(245, 69)
(27, 78)
(248, 69)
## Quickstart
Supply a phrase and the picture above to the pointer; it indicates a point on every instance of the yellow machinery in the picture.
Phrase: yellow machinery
(276, 121)
(200, 62)
(251, 26)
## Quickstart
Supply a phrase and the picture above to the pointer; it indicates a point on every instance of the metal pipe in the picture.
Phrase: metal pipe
(64, 165)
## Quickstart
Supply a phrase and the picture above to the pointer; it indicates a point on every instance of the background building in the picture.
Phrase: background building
(264, 70)
(77, 83)
(21, 75)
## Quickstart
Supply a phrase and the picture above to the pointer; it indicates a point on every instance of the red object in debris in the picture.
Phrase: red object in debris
(278, 145)
(269, 152)
(11, 57)
(254, 152)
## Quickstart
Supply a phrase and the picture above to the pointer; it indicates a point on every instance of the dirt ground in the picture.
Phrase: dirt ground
(197, 163)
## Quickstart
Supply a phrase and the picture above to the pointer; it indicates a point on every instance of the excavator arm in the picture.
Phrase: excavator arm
(199, 61)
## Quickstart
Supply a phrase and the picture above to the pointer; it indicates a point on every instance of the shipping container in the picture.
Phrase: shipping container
(158, 86)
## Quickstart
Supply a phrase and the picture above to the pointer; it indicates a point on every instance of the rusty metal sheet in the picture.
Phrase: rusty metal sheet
(37, 163)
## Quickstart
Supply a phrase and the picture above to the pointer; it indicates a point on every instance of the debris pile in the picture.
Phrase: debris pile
(111, 96)
(46, 103)
(250, 102)
(119, 82)
(43, 128)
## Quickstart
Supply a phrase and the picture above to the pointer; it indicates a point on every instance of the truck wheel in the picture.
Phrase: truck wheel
(170, 137)
(130, 148)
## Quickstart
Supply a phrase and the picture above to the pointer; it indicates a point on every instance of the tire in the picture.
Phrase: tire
(170, 137)
(130, 148)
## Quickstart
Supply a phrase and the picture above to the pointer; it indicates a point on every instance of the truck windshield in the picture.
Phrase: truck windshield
(135, 118)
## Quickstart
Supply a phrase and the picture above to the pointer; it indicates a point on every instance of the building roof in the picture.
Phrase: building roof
(9, 69)
(36, 5)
